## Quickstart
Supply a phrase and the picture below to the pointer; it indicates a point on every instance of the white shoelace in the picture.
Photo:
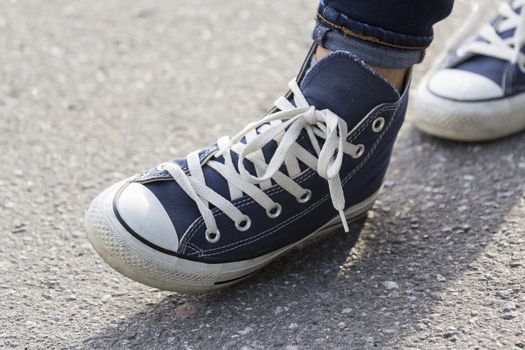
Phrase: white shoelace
(285, 128)
(493, 45)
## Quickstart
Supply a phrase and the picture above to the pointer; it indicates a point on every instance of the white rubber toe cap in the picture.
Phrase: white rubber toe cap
(144, 214)
(461, 85)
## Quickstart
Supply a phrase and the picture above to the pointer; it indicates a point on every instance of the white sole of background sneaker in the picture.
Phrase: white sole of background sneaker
(467, 121)
(134, 259)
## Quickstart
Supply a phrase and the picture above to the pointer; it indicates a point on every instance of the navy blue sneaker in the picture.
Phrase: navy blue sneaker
(312, 163)
(477, 92)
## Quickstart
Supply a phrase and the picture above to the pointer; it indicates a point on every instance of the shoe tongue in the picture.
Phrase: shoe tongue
(346, 86)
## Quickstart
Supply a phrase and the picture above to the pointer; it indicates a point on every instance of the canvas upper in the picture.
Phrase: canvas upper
(159, 212)
(487, 66)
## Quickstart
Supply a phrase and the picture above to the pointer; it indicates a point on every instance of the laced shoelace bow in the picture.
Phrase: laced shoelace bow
(493, 44)
(284, 127)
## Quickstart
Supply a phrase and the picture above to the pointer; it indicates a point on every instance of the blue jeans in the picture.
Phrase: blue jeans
(385, 33)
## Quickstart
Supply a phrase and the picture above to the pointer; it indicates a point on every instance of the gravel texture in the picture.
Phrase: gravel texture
(91, 92)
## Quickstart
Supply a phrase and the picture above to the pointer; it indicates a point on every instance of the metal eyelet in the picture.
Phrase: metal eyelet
(213, 237)
(244, 224)
(360, 151)
(305, 197)
(378, 124)
(275, 211)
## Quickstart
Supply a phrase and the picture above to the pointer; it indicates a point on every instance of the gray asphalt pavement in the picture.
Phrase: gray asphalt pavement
(92, 92)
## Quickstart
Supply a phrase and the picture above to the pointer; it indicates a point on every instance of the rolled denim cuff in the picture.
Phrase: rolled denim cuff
(367, 32)
(372, 53)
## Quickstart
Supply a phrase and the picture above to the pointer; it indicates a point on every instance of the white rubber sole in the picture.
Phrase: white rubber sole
(134, 259)
(467, 121)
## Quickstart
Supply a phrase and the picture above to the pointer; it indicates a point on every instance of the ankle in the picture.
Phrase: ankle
(396, 77)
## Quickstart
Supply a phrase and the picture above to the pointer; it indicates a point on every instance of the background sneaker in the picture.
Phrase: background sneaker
(477, 92)
(216, 217)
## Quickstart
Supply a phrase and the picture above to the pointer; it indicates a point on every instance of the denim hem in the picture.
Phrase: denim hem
(372, 53)
(350, 27)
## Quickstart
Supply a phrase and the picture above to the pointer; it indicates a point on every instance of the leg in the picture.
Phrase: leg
(389, 35)
(314, 162)
(384, 33)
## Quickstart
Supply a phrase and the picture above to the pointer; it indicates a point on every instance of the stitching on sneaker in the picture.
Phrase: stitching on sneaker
(194, 228)
(235, 245)
(197, 224)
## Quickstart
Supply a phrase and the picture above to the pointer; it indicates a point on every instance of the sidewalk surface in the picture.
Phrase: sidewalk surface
(94, 91)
